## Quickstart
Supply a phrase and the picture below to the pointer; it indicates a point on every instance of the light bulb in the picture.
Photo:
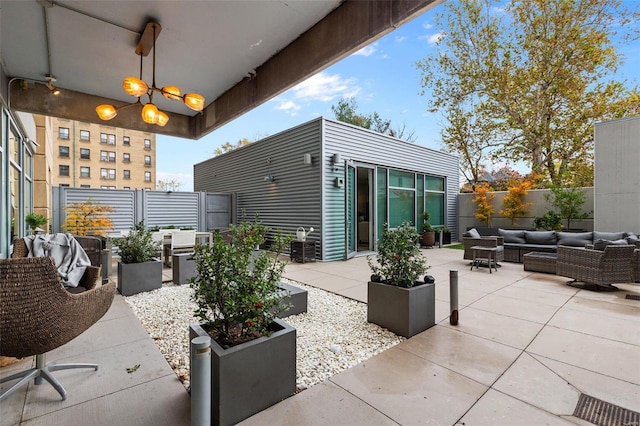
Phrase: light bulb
(194, 101)
(150, 113)
(172, 92)
(162, 119)
(134, 86)
(106, 112)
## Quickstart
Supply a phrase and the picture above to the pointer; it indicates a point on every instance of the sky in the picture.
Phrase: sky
(382, 77)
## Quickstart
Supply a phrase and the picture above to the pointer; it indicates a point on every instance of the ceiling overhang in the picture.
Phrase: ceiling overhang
(349, 26)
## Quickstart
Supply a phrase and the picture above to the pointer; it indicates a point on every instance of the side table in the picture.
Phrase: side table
(303, 251)
(481, 253)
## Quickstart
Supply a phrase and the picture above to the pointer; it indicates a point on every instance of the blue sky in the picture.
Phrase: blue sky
(382, 77)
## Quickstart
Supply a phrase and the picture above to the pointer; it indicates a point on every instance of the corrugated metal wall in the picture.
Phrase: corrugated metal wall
(292, 200)
(156, 208)
(363, 146)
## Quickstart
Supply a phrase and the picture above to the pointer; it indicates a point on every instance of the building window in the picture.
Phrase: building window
(147, 176)
(63, 170)
(108, 174)
(108, 156)
(103, 138)
(147, 160)
(126, 140)
(85, 153)
(126, 157)
(112, 139)
(66, 185)
(107, 187)
(127, 174)
(85, 172)
(63, 132)
(147, 144)
(108, 138)
(434, 199)
(85, 186)
(85, 135)
(402, 198)
(127, 187)
(63, 151)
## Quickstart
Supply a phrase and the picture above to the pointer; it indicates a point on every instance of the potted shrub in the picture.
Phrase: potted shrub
(396, 299)
(428, 237)
(35, 221)
(443, 236)
(253, 353)
(138, 269)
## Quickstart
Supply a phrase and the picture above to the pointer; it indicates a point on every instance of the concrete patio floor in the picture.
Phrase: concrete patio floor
(526, 347)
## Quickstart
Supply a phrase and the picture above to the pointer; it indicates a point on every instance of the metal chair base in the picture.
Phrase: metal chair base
(592, 287)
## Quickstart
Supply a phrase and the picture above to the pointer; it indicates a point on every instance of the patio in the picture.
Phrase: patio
(526, 347)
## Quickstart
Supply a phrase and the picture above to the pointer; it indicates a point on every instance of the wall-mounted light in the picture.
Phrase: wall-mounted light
(306, 159)
(335, 159)
(50, 80)
(269, 178)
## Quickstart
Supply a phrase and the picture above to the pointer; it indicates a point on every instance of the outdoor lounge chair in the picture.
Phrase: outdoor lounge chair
(181, 242)
(469, 242)
(39, 315)
(596, 269)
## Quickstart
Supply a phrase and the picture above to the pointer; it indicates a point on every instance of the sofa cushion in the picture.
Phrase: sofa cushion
(512, 236)
(611, 236)
(473, 233)
(600, 244)
(540, 237)
(632, 238)
(574, 239)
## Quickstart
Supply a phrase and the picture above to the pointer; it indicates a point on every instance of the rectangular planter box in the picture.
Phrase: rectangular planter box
(404, 311)
(297, 297)
(252, 376)
(138, 277)
(183, 267)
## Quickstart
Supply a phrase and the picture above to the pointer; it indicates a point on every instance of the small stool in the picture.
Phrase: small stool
(481, 253)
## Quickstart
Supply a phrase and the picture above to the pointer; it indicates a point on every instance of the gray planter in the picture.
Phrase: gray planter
(252, 376)
(297, 297)
(138, 277)
(404, 311)
(183, 267)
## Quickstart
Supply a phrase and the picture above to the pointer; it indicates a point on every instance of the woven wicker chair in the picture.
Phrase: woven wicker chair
(596, 269)
(39, 315)
(469, 242)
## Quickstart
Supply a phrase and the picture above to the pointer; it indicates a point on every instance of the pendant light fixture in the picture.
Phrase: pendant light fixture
(135, 86)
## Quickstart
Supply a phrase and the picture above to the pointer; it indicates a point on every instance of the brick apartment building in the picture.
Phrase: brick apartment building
(87, 155)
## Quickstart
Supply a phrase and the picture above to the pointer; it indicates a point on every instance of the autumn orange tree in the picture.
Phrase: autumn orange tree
(513, 202)
(484, 208)
(88, 218)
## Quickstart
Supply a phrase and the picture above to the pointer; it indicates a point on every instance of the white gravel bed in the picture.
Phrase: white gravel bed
(332, 335)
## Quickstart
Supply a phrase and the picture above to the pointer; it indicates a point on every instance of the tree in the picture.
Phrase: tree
(168, 185)
(568, 202)
(484, 207)
(513, 202)
(228, 146)
(89, 218)
(538, 71)
(347, 111)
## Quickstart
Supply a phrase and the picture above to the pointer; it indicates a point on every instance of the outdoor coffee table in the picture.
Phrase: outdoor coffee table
(540, 262)
(481, 253)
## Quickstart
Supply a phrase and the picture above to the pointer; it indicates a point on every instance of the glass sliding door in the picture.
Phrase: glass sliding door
(351, 212)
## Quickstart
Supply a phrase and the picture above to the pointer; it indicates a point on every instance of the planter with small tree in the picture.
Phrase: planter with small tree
(396, 299)
(253, 353)
(35, 221)
(428, 236)
(138, 269)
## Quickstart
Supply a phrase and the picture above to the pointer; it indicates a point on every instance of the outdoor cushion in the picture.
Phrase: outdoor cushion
(574, 239)
(473, 233)
(632, 238)
(512, 236)
(611, 236)
(540, 237)
(600, 244)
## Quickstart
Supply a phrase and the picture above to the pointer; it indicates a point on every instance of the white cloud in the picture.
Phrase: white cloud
(288, 106)
(498, 10)
(432, 38)
(325, 87)
(427, 26)
(366, 51)
(400, 39)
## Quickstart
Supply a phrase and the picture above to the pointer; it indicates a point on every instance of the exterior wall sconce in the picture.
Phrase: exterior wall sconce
(269, 178)
(335, 159)
(306, 159)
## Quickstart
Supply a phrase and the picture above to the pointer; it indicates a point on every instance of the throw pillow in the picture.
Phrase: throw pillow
(600, 244)
(540, 237)
(611, 236)
(574, 239)
(632, 238)
(512, 236)
(473, 233)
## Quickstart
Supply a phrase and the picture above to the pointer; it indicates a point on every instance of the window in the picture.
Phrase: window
(85, 153)
(66, 185)
(147, 176)
(103, 138)
(434, 199)
(85, 172)
(147, 160)
(126, 140)
(108, 156)
(85, 186)
(63, 132)
(63, 170)
(147, 144)
(107, 187)
(127, 174)
(126, 157)
(85, 135)
(402, 194)
(127, 187)
(63, 151)
(108, 138)
(108, 174)
(112, 139)
(112, 156)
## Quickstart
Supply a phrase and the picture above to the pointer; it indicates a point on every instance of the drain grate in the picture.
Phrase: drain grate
(633, 297)
(603, 413)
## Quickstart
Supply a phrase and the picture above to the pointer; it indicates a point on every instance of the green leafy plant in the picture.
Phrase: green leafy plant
(138, 246)
(399, 260)
(35, 220)
(550, 221)
(236, 288)
(568, 203)
(426, 225)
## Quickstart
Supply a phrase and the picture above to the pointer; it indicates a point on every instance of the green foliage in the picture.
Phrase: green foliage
(138, 246)
(426, 225)
(528, 83)
(550, 221)
(568, 203)
(236, 288)
(168, 185)
(399, 260)
(35, 220)
(228, 146)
